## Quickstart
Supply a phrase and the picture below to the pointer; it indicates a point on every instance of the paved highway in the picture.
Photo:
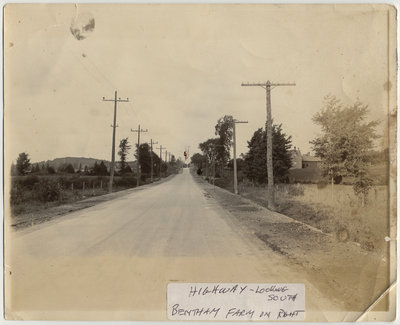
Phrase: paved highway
(115, 259)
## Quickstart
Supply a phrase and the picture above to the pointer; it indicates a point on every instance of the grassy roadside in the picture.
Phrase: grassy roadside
(336, 211)
(352, 275)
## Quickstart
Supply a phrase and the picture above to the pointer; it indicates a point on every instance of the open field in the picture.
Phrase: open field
(335, 210)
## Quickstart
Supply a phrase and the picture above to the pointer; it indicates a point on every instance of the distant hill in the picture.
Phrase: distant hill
(79, 161)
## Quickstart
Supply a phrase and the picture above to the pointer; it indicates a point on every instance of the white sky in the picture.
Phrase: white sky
(182, 67)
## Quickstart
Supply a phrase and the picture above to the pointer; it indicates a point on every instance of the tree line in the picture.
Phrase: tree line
(161, 168)
(24, 167)
(345, 146)
(215, 154)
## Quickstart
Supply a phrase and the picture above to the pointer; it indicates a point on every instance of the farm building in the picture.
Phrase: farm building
(300, 161)
(310, 162)
(305, 168)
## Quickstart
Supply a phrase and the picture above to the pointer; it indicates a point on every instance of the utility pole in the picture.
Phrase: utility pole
(151, 158)
(138, 170)
(112, 167)
(235, 182)
(267, 86)
(161, 149)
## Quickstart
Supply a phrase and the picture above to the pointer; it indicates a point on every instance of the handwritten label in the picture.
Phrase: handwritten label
(236, 301)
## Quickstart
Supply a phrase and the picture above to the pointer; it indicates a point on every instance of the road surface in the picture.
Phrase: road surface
(115, 259)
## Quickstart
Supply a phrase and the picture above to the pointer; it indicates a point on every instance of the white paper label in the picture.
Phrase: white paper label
(236, 301)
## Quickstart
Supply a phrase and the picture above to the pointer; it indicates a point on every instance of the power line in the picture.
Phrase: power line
(138, 170)
(112, 167)
(267, 86)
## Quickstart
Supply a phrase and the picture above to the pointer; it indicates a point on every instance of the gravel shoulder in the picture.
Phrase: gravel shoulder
(351, 274)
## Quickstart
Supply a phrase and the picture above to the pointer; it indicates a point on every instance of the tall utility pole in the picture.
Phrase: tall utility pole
(138, 171)
(151, 159)
(161, 149)
(112, 167)
(235, 182)
(267, 86)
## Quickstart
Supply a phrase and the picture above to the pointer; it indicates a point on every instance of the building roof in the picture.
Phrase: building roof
(310, 158)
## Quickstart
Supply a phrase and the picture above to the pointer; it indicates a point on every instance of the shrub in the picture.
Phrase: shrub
(16, 194)
(125, 182)
(322, 184)
(46, 190)
(296, 190)
(29, 181)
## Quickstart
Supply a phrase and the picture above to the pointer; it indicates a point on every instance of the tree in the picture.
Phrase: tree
(49, 169)
(144, 159)
(179, 163)
(208, 148)
(123, 153)
(281, 157)
(156, 164)
(100, 169)
(35, 168)
(224, 129)
(255, 161)
(13, 169)
(198, 160)
(128, 169)
(346, 142)
(239, 163)
(66, 168)
(23, 163)
(173, 166)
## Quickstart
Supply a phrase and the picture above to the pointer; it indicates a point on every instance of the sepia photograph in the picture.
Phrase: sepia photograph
(200, 162)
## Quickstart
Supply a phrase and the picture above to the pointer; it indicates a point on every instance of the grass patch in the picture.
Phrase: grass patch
(336, 211)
